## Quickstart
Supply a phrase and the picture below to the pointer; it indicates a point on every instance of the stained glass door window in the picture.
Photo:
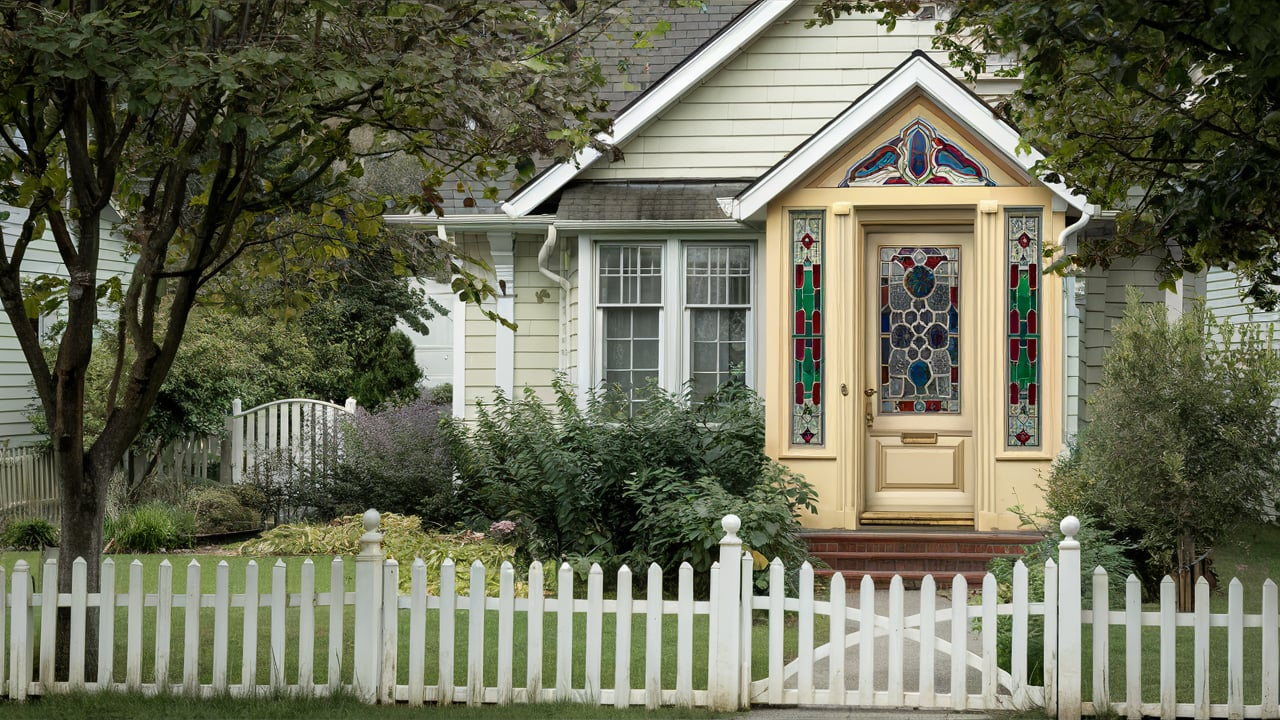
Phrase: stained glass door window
(919, 330)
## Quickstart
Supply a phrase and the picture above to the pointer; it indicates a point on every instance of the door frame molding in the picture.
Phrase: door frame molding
(984, 225)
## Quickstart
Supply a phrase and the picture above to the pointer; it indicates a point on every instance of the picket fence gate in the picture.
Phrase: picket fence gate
(285, 437)
(360, 633)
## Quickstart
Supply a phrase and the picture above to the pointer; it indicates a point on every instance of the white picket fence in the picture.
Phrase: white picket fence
(285, 437)
(374, 641)
(30, 488)
(29, 484)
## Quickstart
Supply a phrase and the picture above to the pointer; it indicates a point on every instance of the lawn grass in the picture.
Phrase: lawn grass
(238, 565)
(126, 706)
(1252, 555)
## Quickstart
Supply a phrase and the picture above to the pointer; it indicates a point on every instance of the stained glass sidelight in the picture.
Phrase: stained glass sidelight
(807, 410)
(1023, 241)
(919, 330)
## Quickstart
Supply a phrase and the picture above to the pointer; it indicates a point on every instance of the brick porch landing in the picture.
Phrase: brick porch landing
(914, 552)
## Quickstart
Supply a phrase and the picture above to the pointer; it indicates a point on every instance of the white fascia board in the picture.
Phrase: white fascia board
(916, 73)
(696, 68)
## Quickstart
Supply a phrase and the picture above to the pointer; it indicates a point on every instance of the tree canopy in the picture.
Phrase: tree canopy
(227, 136)
(1168, 112)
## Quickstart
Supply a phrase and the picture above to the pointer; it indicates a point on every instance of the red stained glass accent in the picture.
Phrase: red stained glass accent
(955, 374)
(1013, 349)
(806, 240)
(817, 276)
(816, 349)
(907, 406)
(1031, 321)
(884, 296)
(906, 261)
(1024, 240)
(799, 276)
(933, 261)
(817, 322)
(807, 436)
(799, 350)
(800, 323)
(1014, 322)
(1031, 394)
(1014, 272)
(799, 393)
(1031, 275)
(817, 393)
(933, 406)
(954, 293)
(1015, 394)
(1023, 436)
(884, 374)
(1031, 349)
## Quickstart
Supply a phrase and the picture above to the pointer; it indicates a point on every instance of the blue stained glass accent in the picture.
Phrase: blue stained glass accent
(919, 164)
(919, 281)
(919, 374)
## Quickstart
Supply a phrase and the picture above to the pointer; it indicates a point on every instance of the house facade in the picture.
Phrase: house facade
(834, 217)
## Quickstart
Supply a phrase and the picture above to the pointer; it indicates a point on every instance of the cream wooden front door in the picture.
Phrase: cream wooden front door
(919, 389)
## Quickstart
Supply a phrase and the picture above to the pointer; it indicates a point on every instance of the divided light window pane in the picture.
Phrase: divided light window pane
(630, 275)
(717, 275)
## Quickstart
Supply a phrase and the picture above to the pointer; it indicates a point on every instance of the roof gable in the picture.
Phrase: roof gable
(918, 75)
(718, 50)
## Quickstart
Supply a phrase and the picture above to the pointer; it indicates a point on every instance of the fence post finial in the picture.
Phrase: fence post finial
(368, 612)
(726, 614)
(1070, 690)
(351, 405)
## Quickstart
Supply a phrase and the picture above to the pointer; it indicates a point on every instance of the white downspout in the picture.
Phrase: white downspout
(544, 254)
(1071, 328)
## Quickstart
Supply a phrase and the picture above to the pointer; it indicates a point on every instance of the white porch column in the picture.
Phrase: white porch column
(502, 247)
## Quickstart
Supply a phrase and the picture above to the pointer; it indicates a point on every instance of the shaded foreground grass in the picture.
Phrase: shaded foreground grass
(129, 706)
(237, 567)
(1252, 555)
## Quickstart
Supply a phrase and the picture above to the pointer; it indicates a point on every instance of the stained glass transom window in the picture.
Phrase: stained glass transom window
(919, 330)
(807, 410)
(919, 155)
(1023, 361)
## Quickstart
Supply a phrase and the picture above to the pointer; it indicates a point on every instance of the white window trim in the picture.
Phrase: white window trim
(675, 368)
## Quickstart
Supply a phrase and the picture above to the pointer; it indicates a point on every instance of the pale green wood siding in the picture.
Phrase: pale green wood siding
(17, 394)
(782, 88)
(537, 341)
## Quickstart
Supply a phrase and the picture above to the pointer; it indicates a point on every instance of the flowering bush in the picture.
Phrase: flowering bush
(395, 461)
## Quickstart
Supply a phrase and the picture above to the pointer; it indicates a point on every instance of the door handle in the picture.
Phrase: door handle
(868, 414)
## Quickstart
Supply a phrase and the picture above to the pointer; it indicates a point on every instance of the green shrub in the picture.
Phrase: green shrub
(403, 540)
(395, 460)
(585, 484)
(150, 528)
(30, 534)
(219, 509)
(1184, 440)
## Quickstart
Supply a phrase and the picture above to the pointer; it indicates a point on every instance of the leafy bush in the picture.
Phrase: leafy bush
(1184, 443)
(588, 485)
(396, 460)
(219, 509)
(149, 528)
(30, 534)
(403, 539)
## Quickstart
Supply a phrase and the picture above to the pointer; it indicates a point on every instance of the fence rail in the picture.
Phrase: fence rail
(434, 646)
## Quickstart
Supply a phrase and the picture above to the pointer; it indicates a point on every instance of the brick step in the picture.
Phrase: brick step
(906, 561)
(913, 553)
(911, 579)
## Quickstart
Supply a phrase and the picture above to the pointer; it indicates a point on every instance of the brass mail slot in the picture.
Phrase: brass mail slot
(919, 438)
